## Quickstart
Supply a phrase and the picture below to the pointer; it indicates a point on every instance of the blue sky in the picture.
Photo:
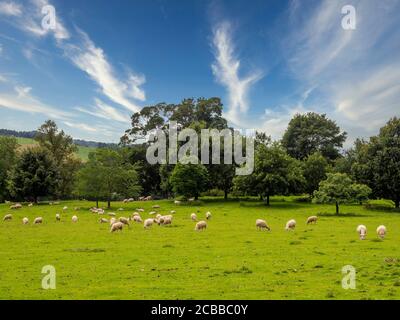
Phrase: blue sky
(267, 60)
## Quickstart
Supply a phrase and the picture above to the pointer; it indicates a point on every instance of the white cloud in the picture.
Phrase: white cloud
(105, 111)
(354, 72)
(25, 102)
(81, 126)
(93, 61)
(3, 78)
(9, 8)
(226, 70)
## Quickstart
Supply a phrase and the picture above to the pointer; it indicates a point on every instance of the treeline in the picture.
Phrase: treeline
(309, 159)
(79, 142)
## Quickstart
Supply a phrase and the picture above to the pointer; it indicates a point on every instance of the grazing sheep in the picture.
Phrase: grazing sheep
(137, 219)
(149, 198)
(208, 215)
(177, 202)
(74, 219)
(140, 210)
(121, 209)
(112, 221)
(381, 231)
(100, 211)
(290, 225)
(16, 206)
(152, 212)
(65, 208)
(116, 226)
(7, 217)
(111, 214)
(362, 231)
(158, 216)
(312, 219)
(103, 220)
(25, 220)
(58, 217)
(156, 206)
(38, 220)
(167, 220)
(135, 214)
(262, 224)
(148, 223)
(30, 205)
(77, 208)
(193, 216)
(172, 212)
(124, 220)
(200, 225)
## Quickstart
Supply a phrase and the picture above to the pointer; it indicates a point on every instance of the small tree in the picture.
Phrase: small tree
(338, 188)
(189, 180)
(35, 174)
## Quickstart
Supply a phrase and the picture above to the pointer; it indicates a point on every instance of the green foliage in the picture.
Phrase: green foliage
(8, 147)
(106, 173)
(313, 132)
(34, 175)
(275, 172)
(338, 188)
(315, 169)
(189, 180)
(62, 149)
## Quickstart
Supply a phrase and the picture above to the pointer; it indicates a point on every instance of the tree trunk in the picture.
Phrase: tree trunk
(261, 197)
(397, 203)
(108, 203)
(225, 194)
(337, 208)
(97, 203)
(268, 199)
(196, 197)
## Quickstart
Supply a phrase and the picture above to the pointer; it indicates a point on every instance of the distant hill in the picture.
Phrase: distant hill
(79, 142)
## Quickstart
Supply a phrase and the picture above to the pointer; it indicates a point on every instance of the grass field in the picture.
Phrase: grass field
(230, 260)
(82, 152)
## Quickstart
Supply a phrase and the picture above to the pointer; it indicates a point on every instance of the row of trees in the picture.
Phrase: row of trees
(309, 159)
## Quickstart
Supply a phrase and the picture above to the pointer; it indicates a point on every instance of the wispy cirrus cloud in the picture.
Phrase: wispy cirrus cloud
(354, 73)
(105, 111)
(81, 126)
(93, 61)
(9, 8)
(226, 71)
(21, 99)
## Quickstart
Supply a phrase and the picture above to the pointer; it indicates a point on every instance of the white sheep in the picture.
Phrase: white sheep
(103, 220)
(177, 202)
(30, 205)
(135, 214)
(262, 224)
(117, 226)
(124, 220)
(156, 206)
(312, 219)
(193, 216)
(25, 220)
(140, 210)
(65, 208)
(137, 218)
(158, 216)
(58, 217)
(16, 206)
(38, 220)
(121, 209)
(381, 231)
(290, 225)
(208, 215)
(200, 225)
(112, 221)
(152, 212)
(7, 217)
(362, 231)
(111, 214)
(167, 220)
(74, 219)
(172, 212)
(148, 223)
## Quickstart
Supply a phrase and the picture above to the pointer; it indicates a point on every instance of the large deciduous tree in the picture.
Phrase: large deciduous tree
(189, 180)
(8, 148)
(315, 168)
(34, 175)
(275, 172)
(312, 132)
(62, 148)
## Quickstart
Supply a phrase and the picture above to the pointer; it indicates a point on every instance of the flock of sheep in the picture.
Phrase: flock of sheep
(118, 224)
